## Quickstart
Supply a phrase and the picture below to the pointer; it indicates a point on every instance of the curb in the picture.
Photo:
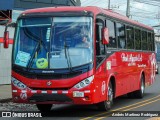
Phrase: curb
(5, 100)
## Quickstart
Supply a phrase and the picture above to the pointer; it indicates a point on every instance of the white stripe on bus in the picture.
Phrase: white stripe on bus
(33, 91)
(43, 91)
(54, 92)
(87, 91)
(64, 92)
(14, 91)
(23, 91)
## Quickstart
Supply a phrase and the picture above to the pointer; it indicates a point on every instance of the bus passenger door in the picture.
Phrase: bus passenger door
(101, 73)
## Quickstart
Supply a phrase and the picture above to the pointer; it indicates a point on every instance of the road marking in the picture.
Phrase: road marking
(119, 108)
(129, 109)
(155, 118)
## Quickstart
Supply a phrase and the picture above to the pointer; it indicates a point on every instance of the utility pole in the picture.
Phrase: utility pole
(128, 9)
(108, 4)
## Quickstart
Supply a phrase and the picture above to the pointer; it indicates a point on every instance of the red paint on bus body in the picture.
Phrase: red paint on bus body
(93, 9)
(126, 67)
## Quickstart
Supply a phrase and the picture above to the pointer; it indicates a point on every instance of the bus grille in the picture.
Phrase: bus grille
(49, 97)
(49, 76)
(39, 88)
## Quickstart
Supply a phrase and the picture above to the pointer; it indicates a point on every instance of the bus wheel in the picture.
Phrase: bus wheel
(140, 93)
(106, 105)
(44, 107)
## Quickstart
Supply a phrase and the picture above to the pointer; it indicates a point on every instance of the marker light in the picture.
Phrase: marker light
(84, 83)
(18, 84)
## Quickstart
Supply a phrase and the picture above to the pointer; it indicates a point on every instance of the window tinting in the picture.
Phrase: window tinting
(138, 39)
(121, 35)
(153, 45)
(130, 37)
(144, 40)
(100, 48)
(150, 47)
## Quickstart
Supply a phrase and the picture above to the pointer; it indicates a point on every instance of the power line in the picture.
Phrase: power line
(155, 0)
(146, 3)
(148, 0)
(149, 17)
(145, 16)
(132, 14)
(142, 13)
(146, 11)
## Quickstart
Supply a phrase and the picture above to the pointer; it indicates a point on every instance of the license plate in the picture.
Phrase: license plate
(78, 94)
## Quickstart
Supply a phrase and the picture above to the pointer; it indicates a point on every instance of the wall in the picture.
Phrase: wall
(5, 59)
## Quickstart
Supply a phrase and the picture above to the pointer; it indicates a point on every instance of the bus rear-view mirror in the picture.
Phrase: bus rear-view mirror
(6, 39)
(105, 36)
(6, 34)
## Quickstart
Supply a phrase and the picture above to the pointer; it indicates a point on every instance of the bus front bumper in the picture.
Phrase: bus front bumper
(53, 97)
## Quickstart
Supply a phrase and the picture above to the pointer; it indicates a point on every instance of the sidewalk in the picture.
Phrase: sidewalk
(5, 93)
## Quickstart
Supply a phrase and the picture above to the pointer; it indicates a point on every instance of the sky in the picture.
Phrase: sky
(143, 11)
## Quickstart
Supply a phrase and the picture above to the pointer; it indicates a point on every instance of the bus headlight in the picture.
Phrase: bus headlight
(84, 83)
(18, 84)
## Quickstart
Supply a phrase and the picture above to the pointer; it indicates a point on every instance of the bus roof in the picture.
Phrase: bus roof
(93, 9)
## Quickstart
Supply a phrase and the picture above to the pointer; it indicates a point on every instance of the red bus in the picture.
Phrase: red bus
(80, 55)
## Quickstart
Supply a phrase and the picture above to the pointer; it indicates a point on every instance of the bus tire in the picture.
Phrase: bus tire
(140, 93)
(44, 107)
(107, 104)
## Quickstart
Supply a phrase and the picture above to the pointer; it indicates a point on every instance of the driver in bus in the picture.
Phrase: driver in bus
(84, 42)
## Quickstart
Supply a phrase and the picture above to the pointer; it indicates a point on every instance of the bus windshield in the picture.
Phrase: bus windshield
(53, 42)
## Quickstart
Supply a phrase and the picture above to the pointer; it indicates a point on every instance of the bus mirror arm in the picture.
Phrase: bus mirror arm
(105, 36)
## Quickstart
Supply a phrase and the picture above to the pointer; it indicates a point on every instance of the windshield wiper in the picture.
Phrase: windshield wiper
(67, 56)
(36, 50)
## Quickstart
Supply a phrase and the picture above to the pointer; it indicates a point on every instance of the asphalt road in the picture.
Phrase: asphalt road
(122, 106)
(139, 107)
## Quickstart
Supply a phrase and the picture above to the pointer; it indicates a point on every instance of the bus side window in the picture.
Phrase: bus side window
(112, 35)
(149, 42)
(153, 45)
(144, 40)
(138, 39)
(130, 37)
(100, 48)
(121, 35)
